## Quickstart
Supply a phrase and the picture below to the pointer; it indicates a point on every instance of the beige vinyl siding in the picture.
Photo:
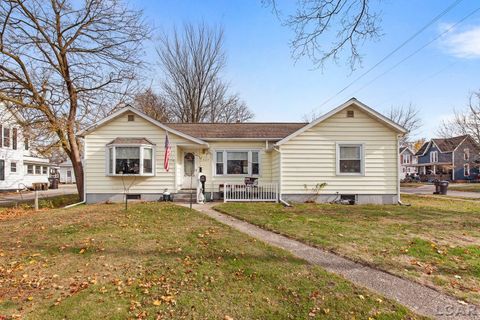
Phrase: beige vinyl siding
(95, 157)
(275, 166)
(310, 157)
(207, 162)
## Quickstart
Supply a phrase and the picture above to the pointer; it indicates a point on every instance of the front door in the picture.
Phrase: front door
(189, 171)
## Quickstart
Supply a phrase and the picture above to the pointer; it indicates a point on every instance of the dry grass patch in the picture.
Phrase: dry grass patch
(471, 187)
(434, 241)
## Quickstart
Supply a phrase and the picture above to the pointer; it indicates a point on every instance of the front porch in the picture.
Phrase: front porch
(434, 171)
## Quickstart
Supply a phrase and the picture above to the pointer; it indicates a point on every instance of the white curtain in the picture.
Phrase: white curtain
(254, 156)
(237, 156)
(147, 154)
(352, 152)
(127, 152)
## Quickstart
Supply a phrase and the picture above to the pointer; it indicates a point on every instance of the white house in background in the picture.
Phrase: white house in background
(65, 170)
(19, 168)
(353, 149)
(408, 160)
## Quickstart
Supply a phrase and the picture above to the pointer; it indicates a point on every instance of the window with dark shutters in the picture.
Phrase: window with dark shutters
(2, 170)
(14, 138)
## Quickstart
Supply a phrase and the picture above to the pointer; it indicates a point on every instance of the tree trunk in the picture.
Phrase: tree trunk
(78, 171)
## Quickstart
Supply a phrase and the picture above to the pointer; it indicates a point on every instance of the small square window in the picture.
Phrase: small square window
(350, 159)
(131, 117)
(350, 114)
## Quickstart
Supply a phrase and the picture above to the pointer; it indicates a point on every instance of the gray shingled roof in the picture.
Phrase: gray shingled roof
(244, 130)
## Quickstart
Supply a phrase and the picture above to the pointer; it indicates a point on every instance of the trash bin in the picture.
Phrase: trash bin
(443, 187)
(53, 183)
(437, 186)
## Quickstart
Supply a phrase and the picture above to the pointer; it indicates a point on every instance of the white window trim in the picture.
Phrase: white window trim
(141, 146)
(225, 174)
(466, 172)
(432, 153)
(16, 167)
(405, 157)
(362, 158)
(466, 154)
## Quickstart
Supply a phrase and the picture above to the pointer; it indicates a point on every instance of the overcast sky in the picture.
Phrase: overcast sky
(437, 79)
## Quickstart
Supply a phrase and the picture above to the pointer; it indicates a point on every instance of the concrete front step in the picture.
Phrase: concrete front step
(184, 196)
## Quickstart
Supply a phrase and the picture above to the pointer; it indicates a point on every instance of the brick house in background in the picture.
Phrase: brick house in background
(456, 158)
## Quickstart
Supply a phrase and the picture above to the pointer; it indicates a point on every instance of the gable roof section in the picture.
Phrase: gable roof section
(244, 130)
(120, 112)
(376, 115)
(423, 149)
(403, 149)
(444, 145)
(449, 144)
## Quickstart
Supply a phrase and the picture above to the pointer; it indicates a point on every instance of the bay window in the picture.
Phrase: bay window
(130, 160)
(350, 159)
(241, 162)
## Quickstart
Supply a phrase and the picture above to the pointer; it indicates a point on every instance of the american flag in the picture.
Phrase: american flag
(168, 151)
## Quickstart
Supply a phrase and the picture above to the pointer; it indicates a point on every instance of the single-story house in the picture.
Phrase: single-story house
(455, 158)
(65, 172)
(352, 148)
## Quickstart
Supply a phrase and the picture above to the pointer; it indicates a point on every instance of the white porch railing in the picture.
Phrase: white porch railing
(242, 192)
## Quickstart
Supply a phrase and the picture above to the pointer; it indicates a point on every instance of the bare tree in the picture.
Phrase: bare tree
(466, 121)
(192, 61)
(325, 29)
(408, 117)
(63, 61)
(152, 104)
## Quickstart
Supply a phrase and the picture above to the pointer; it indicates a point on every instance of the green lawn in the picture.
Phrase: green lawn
(434, 241)
(161, 261)
(471, 187)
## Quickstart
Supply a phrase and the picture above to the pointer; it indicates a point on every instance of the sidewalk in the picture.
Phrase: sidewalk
(428, 190)
(63, 189)
(418, 298)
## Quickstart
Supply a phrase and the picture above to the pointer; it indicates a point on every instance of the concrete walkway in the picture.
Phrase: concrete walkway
(429, 188)
(418, 298)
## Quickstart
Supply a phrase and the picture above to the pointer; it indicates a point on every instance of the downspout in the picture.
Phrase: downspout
(399, 200)
(74, 205)
(285, 203)
(453, 165)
